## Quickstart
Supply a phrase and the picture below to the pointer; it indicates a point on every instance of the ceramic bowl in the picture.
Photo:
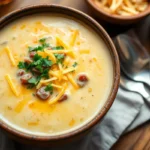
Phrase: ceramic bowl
(80, 132)
(115, 19)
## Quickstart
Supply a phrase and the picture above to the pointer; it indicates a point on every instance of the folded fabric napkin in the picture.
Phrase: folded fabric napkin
(128, 111)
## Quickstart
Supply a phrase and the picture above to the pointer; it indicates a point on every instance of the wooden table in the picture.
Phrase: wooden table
(139, 139)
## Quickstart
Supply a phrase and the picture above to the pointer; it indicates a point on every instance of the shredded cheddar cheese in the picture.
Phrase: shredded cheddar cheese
(56, 86)
(21, 105)
(66, 61)
(74, 36)
(12, 60)
(69, 70)
(53, 73)
(61, 51)
(51, 55)
(60, 72)
(50, 65)
(84, 51)
(11, 85)
(70, 78)
(55, 100)
(61, 43)
(45, 82)
(48, 53)
(48, 80)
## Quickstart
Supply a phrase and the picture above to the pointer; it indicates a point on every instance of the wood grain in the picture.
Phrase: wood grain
(138, 139)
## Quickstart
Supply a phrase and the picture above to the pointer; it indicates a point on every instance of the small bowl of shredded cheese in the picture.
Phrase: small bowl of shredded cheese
(120, 11)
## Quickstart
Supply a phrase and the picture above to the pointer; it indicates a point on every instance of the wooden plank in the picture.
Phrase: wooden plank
(138, 139)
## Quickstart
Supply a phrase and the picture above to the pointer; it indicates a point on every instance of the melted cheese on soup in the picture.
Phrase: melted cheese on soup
(69, 60)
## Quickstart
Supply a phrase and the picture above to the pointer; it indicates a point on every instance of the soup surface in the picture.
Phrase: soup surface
(55, 74)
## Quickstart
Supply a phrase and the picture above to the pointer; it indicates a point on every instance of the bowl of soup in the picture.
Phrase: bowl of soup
(59, 74)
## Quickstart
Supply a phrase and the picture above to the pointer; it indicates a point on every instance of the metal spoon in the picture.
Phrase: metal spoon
(135, 60)
(137, 87)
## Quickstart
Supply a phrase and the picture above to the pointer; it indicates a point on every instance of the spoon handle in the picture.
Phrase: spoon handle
(136, 87)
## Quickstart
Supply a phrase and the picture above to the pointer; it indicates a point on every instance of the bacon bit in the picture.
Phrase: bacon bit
(49, 48)
(42, 94)
(36, 70)
(63, 98)
(27, 60)
(32, 54)
(20, 72)
(83, 78)
(24, 79)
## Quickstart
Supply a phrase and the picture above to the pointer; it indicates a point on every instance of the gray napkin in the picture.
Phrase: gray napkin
(128, 111)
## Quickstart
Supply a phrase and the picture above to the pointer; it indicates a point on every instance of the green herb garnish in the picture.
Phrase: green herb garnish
(75, 64)
(43, 40)
(38, 62)
(33, 81)
(40, 67)
(57, 48)
(59, 57)
(39, 48)
(22, 65)
(49, 88)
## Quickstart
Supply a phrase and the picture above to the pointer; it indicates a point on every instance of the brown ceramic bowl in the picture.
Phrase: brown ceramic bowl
(115, 19)
(76, 134)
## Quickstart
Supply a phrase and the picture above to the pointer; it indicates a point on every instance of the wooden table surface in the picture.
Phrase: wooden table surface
(139, 139)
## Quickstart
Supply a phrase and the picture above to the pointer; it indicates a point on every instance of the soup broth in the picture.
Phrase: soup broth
(76, 75)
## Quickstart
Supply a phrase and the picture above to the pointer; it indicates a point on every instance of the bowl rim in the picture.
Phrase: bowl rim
(115, 86)
(117, 17)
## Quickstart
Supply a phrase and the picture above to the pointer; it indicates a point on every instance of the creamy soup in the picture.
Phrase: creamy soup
(55, 74)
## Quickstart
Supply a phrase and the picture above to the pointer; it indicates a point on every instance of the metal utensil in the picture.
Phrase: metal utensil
(137, 87)
(135, 60)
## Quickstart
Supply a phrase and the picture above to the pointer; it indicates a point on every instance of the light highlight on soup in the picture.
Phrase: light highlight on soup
(55, 74)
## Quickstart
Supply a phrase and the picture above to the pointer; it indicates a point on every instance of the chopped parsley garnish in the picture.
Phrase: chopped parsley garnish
(45, 45)
(43, 40)
(45, 73)
(38, 63)
(57, 48)
(75, 64)
(39, 67)
(59, 57)
(33, 81)
(41, 64)
(40, 47)
(37, 48)
(49, 88)
(22, 65)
